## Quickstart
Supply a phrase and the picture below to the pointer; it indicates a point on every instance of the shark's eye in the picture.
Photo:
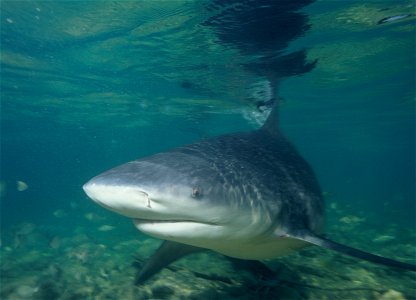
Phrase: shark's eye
(196, 192)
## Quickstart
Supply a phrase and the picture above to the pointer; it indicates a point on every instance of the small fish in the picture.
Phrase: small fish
(93, 217)
(55, 242)
(383, 238)
(25, 228)
(106, 228)
(60, 213)
(21, 186)
(394, 18)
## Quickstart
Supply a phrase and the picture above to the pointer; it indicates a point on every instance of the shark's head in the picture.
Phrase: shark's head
(176, 197)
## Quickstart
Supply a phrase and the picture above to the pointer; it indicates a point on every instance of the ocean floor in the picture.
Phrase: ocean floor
(96, 256)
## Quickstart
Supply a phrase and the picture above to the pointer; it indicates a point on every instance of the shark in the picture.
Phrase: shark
(247, 195)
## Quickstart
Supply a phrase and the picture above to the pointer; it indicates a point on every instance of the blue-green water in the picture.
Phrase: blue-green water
(89, 85)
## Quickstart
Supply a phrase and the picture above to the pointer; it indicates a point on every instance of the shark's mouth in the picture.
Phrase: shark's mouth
(156, 221)
(179, 230)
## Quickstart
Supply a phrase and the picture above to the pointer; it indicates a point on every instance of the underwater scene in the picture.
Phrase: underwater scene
(87, 86)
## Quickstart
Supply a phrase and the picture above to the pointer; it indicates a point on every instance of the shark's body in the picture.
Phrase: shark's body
(245, 195)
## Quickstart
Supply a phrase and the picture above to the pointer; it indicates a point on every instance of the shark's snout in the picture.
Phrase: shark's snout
(89, 190)
(126, 200)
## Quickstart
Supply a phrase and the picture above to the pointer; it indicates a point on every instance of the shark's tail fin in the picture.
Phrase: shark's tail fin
(325, 243)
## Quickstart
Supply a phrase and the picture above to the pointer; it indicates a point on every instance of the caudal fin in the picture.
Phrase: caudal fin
(328, 244)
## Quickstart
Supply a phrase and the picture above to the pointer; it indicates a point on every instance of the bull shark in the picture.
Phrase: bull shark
(246, 195)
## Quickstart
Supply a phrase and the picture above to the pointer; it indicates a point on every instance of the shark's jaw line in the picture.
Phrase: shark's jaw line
(182, 221)
(161, 221)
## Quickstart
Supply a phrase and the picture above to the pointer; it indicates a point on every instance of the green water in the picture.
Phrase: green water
(88, 85)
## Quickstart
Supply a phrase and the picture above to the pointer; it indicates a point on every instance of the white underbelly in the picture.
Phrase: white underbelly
(261, 250)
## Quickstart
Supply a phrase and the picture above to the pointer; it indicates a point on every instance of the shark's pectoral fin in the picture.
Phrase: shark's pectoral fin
(167, 253)
(325, 243)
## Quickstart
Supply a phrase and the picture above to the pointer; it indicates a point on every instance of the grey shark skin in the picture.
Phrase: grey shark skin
(245, 195)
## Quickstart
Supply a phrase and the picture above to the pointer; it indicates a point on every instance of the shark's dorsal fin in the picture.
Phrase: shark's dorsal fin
(328, 244)
(271, 124)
